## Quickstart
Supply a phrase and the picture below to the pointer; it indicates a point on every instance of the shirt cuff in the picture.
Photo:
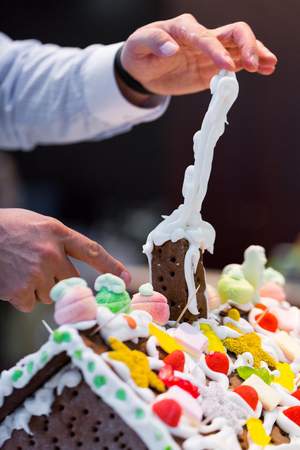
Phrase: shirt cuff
(103, 96)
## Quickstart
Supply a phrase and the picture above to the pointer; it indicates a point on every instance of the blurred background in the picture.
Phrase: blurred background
(254, 187)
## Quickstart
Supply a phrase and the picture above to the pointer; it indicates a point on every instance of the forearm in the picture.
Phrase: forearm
(60, 95)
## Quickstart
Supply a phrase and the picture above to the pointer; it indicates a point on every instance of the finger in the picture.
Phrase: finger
(193, 35)
(42, 291)
(241, 34)
(265, 55)
(65, 269)
(24, 302)
(153, 40)
(92, 253)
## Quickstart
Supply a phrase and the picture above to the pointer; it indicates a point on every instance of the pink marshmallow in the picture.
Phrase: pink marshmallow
(77, 305)
(272, 290)
(156, 305)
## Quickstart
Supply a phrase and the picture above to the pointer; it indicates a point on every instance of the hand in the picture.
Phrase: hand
(180, 56)
(34, 252)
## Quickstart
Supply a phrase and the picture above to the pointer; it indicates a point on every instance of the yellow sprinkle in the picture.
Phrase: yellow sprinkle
(250, 342)
(234, 314)
(257, 432)
(138, 364)
(165, 341)
(286, 377)
(214, 342)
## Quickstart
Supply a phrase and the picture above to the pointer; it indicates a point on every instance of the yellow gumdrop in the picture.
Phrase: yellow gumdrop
(214, 342)
(286, 377)
(234, 314)
(257, 432)
(165, 341)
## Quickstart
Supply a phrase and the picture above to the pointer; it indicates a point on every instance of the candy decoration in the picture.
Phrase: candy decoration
(234, 314)
(238, 290)
(76, 304)
(214, 300)
(153, 302)
(293, 413)
(249, 394)
(261, 306)
(272, 290)
(168, 410)
(112, 293)
(286, 377)
(191, 407)
(60, 289)
(257, 432)
(218, 362)
(289, 345)
(296, 394)
(166, 374)
(176, 360)
(269, 397)
(191, 339)
(214, 342)
(165, 341)
(137, 363)
(267, 321)
(131, 322)
(245, 372)
(251, 343)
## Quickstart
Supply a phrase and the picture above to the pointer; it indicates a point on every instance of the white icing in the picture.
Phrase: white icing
(186, 221)
(151, 347)
(223, 440)
(116, 324)
(111, 283)
(215, 376)
(146, 290)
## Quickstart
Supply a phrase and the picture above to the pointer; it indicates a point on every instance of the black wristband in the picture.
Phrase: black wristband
(127, 78)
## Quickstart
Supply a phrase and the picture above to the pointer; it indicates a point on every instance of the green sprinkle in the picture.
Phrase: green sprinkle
(61, 336)
(91, 366)
(44, 357)
(99, 381)
(139, 413)
(78, 354)
(30, 367)
(121, 394)
(18, 373)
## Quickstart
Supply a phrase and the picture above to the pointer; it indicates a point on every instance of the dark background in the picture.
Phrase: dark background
(255, 184)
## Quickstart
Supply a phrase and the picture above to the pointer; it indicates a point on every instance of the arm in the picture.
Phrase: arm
(50, 94)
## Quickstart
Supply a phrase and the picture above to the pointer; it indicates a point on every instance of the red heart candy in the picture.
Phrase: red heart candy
(168, 410)
(176, 359)
(267, 321)
(249, 394)
(293, 414)
(218, 362)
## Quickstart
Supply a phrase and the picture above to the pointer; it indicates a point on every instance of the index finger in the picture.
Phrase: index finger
(242, 35)
(84, 249)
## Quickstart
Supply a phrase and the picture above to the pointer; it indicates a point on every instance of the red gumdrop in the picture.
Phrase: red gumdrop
(267, 321)
(176, 359)
(296, 394)
(186, 385)
(166, 372)
(249, 394)
(293, 414)
(168, 410)
(218, 362)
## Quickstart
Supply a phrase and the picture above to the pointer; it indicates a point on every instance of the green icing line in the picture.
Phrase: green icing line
(18, 373)
(44, 357)
(30, 367)
(61, 336)
(99, 381)
(121, 394)
(139, 413)
(115, 302)
(91, 366)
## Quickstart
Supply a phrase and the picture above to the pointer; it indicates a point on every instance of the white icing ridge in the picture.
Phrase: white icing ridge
(186, 221)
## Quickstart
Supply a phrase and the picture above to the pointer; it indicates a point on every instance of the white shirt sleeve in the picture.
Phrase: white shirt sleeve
(56, 95)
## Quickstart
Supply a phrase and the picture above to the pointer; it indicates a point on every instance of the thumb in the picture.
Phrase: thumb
(154, 40)
(84, 249)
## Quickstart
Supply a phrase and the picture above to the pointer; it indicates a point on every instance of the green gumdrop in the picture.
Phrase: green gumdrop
(237, 290)
(245, 372)
(115, 302)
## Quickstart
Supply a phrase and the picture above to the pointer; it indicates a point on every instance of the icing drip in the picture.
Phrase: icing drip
(186, 221)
